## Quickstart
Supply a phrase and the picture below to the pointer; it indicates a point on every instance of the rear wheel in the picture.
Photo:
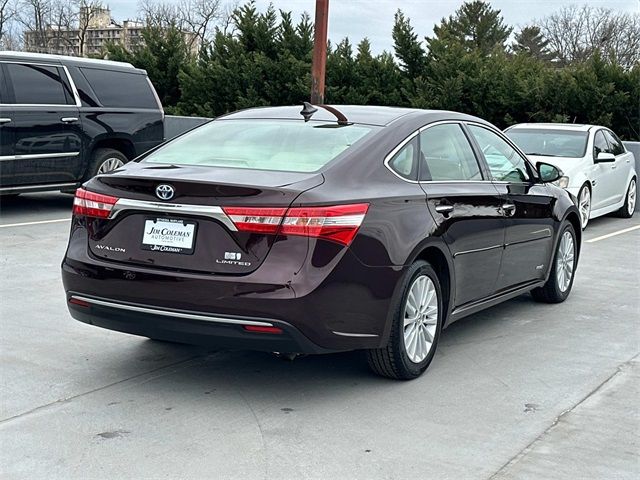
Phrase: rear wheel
(626, 211)
(584, 205)
(560, 282)
(417, 322)
(105, 160)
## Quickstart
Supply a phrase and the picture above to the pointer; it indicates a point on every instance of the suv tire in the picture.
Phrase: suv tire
(105, 160)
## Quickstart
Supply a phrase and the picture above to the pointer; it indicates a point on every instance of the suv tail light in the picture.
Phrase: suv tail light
(90, 204)
(338, 223)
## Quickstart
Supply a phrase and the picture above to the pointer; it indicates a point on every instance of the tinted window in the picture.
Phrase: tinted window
(404, 161)
(599, 144)
(445, 154)
(550, 142)
(289, 145)
(615, 145)
(37, 84)
(4, 94)
(504, 162)
(120, 89)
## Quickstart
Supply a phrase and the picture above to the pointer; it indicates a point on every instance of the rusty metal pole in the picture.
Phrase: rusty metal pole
(319, 63)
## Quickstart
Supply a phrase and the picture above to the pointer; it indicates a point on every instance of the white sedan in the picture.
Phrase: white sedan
(596, 166)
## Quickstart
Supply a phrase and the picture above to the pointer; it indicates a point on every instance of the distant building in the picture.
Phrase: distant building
(97, 28)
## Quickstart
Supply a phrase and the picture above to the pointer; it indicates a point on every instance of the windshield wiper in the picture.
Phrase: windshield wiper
(542, 154)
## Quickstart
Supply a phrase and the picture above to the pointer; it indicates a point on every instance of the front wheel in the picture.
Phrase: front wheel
(584, 204)
(626, 211)
(560, 282)
(417, 322)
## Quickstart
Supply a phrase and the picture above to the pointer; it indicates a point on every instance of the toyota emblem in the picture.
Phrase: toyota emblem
(165, 192)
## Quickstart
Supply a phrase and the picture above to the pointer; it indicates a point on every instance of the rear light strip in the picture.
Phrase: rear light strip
(92, 204)
(338, 223)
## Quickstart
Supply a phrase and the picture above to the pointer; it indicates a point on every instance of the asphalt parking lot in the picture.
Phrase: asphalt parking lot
(522, 390)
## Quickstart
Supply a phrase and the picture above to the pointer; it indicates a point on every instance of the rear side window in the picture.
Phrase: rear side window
(446, 155)
(38, 84)
(505, 164)
(404, 161)
(287, 145)
(120, 89)
(616, 146)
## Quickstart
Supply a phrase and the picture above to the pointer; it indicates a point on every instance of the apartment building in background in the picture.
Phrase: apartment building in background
(94, 29)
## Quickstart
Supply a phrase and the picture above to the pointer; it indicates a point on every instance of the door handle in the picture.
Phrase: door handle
(613, 167)
(5, 120)
(68, 119)
(444, 209)
(508, 208)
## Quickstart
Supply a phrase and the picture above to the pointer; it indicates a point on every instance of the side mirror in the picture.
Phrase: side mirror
(605, 157)
(547, 172)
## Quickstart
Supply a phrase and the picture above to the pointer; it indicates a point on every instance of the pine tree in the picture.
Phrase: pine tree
(530, 41)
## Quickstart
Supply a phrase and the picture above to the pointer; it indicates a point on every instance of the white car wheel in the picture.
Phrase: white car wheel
(584, 205)
(627, 210)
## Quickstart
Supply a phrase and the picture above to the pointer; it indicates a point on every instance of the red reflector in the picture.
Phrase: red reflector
(80, 303)
(261, 329)
(90, 204)
(338, 223)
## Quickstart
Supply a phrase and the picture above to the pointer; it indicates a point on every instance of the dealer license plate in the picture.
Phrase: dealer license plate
(168, 235)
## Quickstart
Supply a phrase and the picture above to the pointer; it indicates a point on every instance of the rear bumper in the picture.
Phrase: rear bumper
(335, 303)
(196, 328)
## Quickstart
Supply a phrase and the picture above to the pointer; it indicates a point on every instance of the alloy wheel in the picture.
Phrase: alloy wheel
(584, 204)
(110, 164)
(565, 261)
(420, 318)
(631, 197)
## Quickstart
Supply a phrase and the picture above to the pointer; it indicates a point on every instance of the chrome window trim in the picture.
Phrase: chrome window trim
(52, 186)
(211, 211)
(31, 156)
(390, 155)
(74, 90)
(170, 313)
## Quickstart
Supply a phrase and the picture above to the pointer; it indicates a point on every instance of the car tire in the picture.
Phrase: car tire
(627, 210)
(584, 205)
(407, 356)
(560, 281)
(105, 160)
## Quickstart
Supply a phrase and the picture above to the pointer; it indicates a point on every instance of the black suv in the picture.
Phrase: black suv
(64, 120)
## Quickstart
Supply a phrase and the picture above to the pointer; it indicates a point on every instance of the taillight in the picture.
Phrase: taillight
(90, 204)
(338, 223)
(254, 219)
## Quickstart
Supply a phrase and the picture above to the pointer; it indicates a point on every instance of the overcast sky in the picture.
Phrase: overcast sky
(357, 19)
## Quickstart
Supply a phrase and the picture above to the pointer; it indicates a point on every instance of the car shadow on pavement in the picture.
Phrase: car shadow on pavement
(40, 203)
(259, 375)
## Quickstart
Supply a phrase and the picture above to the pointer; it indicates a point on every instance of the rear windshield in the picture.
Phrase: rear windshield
(550, 142)
(288, 145)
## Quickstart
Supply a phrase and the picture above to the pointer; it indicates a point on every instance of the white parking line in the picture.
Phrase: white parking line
(613, 234)
(39, 222)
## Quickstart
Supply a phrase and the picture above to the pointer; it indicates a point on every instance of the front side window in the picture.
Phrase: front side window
(446, 155)
(600, 144)
(505, 163)
(37, 84)
(615, 144)
(287, 145)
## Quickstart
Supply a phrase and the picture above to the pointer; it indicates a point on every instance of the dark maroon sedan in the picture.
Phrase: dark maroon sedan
(328, 229)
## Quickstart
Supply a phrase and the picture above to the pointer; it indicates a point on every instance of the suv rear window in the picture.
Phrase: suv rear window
(288, 145)
(121, 89)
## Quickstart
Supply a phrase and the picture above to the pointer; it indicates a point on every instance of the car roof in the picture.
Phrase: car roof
(574, 127)
(67, 60)
(362, 114)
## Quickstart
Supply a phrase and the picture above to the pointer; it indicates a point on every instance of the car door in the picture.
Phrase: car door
(44, 126)
(604, 187)
(620, 169)
(465, 206)
(527, 205)
(6, 134)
